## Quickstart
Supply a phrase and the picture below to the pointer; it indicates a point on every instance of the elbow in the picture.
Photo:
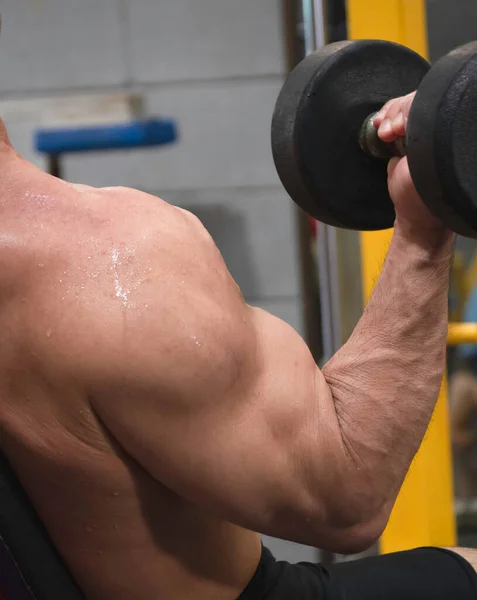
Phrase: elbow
(353, 529)
(356, 510)
(340, 527)
(357, 537)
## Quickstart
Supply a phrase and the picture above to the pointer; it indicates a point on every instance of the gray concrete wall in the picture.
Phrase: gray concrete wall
(451, 23)
(214, 65)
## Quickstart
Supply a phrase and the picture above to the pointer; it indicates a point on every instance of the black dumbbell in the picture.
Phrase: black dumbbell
(326, 149)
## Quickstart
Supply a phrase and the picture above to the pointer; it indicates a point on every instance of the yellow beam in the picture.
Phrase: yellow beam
(413, 25)
(471, 276)
(459, 288)
(423, 514)
(462, 333)
(401, 21)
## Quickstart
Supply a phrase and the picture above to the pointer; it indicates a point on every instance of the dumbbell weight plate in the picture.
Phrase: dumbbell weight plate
(316, 124)
(442, 140)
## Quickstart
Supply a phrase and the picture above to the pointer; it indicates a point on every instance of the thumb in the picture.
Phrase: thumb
(392, 165)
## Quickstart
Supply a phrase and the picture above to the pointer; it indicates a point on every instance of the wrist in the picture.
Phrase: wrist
(433, 240)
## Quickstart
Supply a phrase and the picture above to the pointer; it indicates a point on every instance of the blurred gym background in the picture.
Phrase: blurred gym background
(216, 67)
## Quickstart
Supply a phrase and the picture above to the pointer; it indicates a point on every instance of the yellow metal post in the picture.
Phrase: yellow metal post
(423, 514)
(462, 333)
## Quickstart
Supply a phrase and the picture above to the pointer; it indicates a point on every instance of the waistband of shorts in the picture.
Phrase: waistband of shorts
(262, 579)
(465, 564)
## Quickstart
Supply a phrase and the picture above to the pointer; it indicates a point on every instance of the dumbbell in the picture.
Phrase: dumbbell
(327, 152)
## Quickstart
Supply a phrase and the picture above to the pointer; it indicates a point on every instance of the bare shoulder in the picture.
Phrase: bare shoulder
(138, 287)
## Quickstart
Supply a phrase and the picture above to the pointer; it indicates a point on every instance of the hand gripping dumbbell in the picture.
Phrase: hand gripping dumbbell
(327, 152)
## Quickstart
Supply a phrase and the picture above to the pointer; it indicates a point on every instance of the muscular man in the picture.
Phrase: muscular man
(158, 422)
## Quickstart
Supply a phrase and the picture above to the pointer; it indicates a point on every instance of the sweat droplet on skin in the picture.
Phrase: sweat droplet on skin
(120, 292)
(197, 343)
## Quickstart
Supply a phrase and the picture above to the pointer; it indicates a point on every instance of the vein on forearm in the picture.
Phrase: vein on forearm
(385, 381)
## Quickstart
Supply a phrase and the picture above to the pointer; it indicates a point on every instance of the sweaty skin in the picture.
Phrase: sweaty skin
(158, 422)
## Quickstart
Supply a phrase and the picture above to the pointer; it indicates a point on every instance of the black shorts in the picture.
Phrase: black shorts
(421, 574)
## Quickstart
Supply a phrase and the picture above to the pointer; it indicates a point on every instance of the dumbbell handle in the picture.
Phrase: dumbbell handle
(372, 145)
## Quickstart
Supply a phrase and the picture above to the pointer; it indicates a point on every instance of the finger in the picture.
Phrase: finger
(398, 125)
(394, 125)
(386, 132)
(379, 118)
(400, 120)
(402, 104)
(383, 113)
(397, 111)
(391, 121)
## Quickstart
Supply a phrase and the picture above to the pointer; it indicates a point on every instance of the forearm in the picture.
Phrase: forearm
(385, 381)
